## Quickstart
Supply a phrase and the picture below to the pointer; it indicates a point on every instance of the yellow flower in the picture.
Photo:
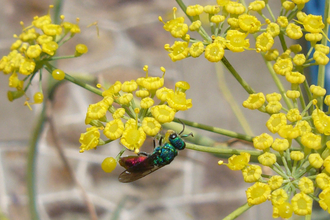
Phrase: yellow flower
(282, 21)
(49, 47)
(275, 122)
(254, 101)
(233, 22)
(182, 86)
(311, 140)
(133, 137)
(294, 31)
(275, 182)
(238, 162)
(287, 5)
(256, 5)
(296, 155)
(264, 42)
(302, 204)
(179, 30)
(214, 52)
(299, 59)
(27, 67)
(249, 23)
(129, 86)
(16, 45)
(252, 173)
(29, 35)
(223, 2)
(263, 141)
(113, 89)
(211, 9)
(321, 121)
(315, 160)
(14, 82)
(327, 100)
(162, 113)
(142, 93)
(52, 29)
(303, 127)
(293, 115)
(292, 94)
(282, 66)
(118, 113)
(146, 102)
(273, 97)
(97, 110)
(322, 181)
(194, 26)
(217, 19)
(306, 185)
(295, 77)
(114, 129)
(235, 8)
(271, 55)
(177, 100)
(125, 99)
(236, 41)
(267, 159)
(280, 144)
(90, 139)
(196, 49)
(288, 132)
(178, 51)
(273, 107)
(273, 29)
(278, 197)
(325, 199)
(313, 37)
(150, 126)
(258, 193)
(172, 23)
(33, 51)
(300, 1)
(322, 48)
(295, 48)
(326, 164)
(317, 90)
(194, 10)
(44, 39)
(313, 23)
(162, 93)
(320, 58)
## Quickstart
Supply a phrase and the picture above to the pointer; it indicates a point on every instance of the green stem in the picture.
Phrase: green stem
(201, 30)
(31, 164)
(228, 152)
(279, 84)
(238, 212)
(321, 71)
(231, 69)
(231, 100)
(283, 43)
(216, 130)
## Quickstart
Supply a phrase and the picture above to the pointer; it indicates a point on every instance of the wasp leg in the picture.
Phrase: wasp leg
(190, 134)
(144, 154)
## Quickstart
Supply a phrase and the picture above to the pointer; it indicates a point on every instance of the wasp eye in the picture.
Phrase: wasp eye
(173, 136)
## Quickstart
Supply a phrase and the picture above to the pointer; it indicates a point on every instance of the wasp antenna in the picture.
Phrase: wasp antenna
(190, 134)
(183, 127)
(160, 141)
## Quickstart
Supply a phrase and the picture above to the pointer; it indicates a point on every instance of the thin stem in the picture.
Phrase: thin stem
(278, 84)
(238, 212)
(231, 69)
(321, 71)
(231, 100)
(216, 130)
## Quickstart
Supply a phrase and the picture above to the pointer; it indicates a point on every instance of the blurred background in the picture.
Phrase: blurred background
(193, 186)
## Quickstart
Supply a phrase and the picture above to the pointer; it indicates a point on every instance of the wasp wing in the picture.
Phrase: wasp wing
(144, 168)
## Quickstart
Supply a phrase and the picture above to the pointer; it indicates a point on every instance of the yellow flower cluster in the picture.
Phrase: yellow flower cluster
(230, 25)
(141, 119)
(33, 49)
